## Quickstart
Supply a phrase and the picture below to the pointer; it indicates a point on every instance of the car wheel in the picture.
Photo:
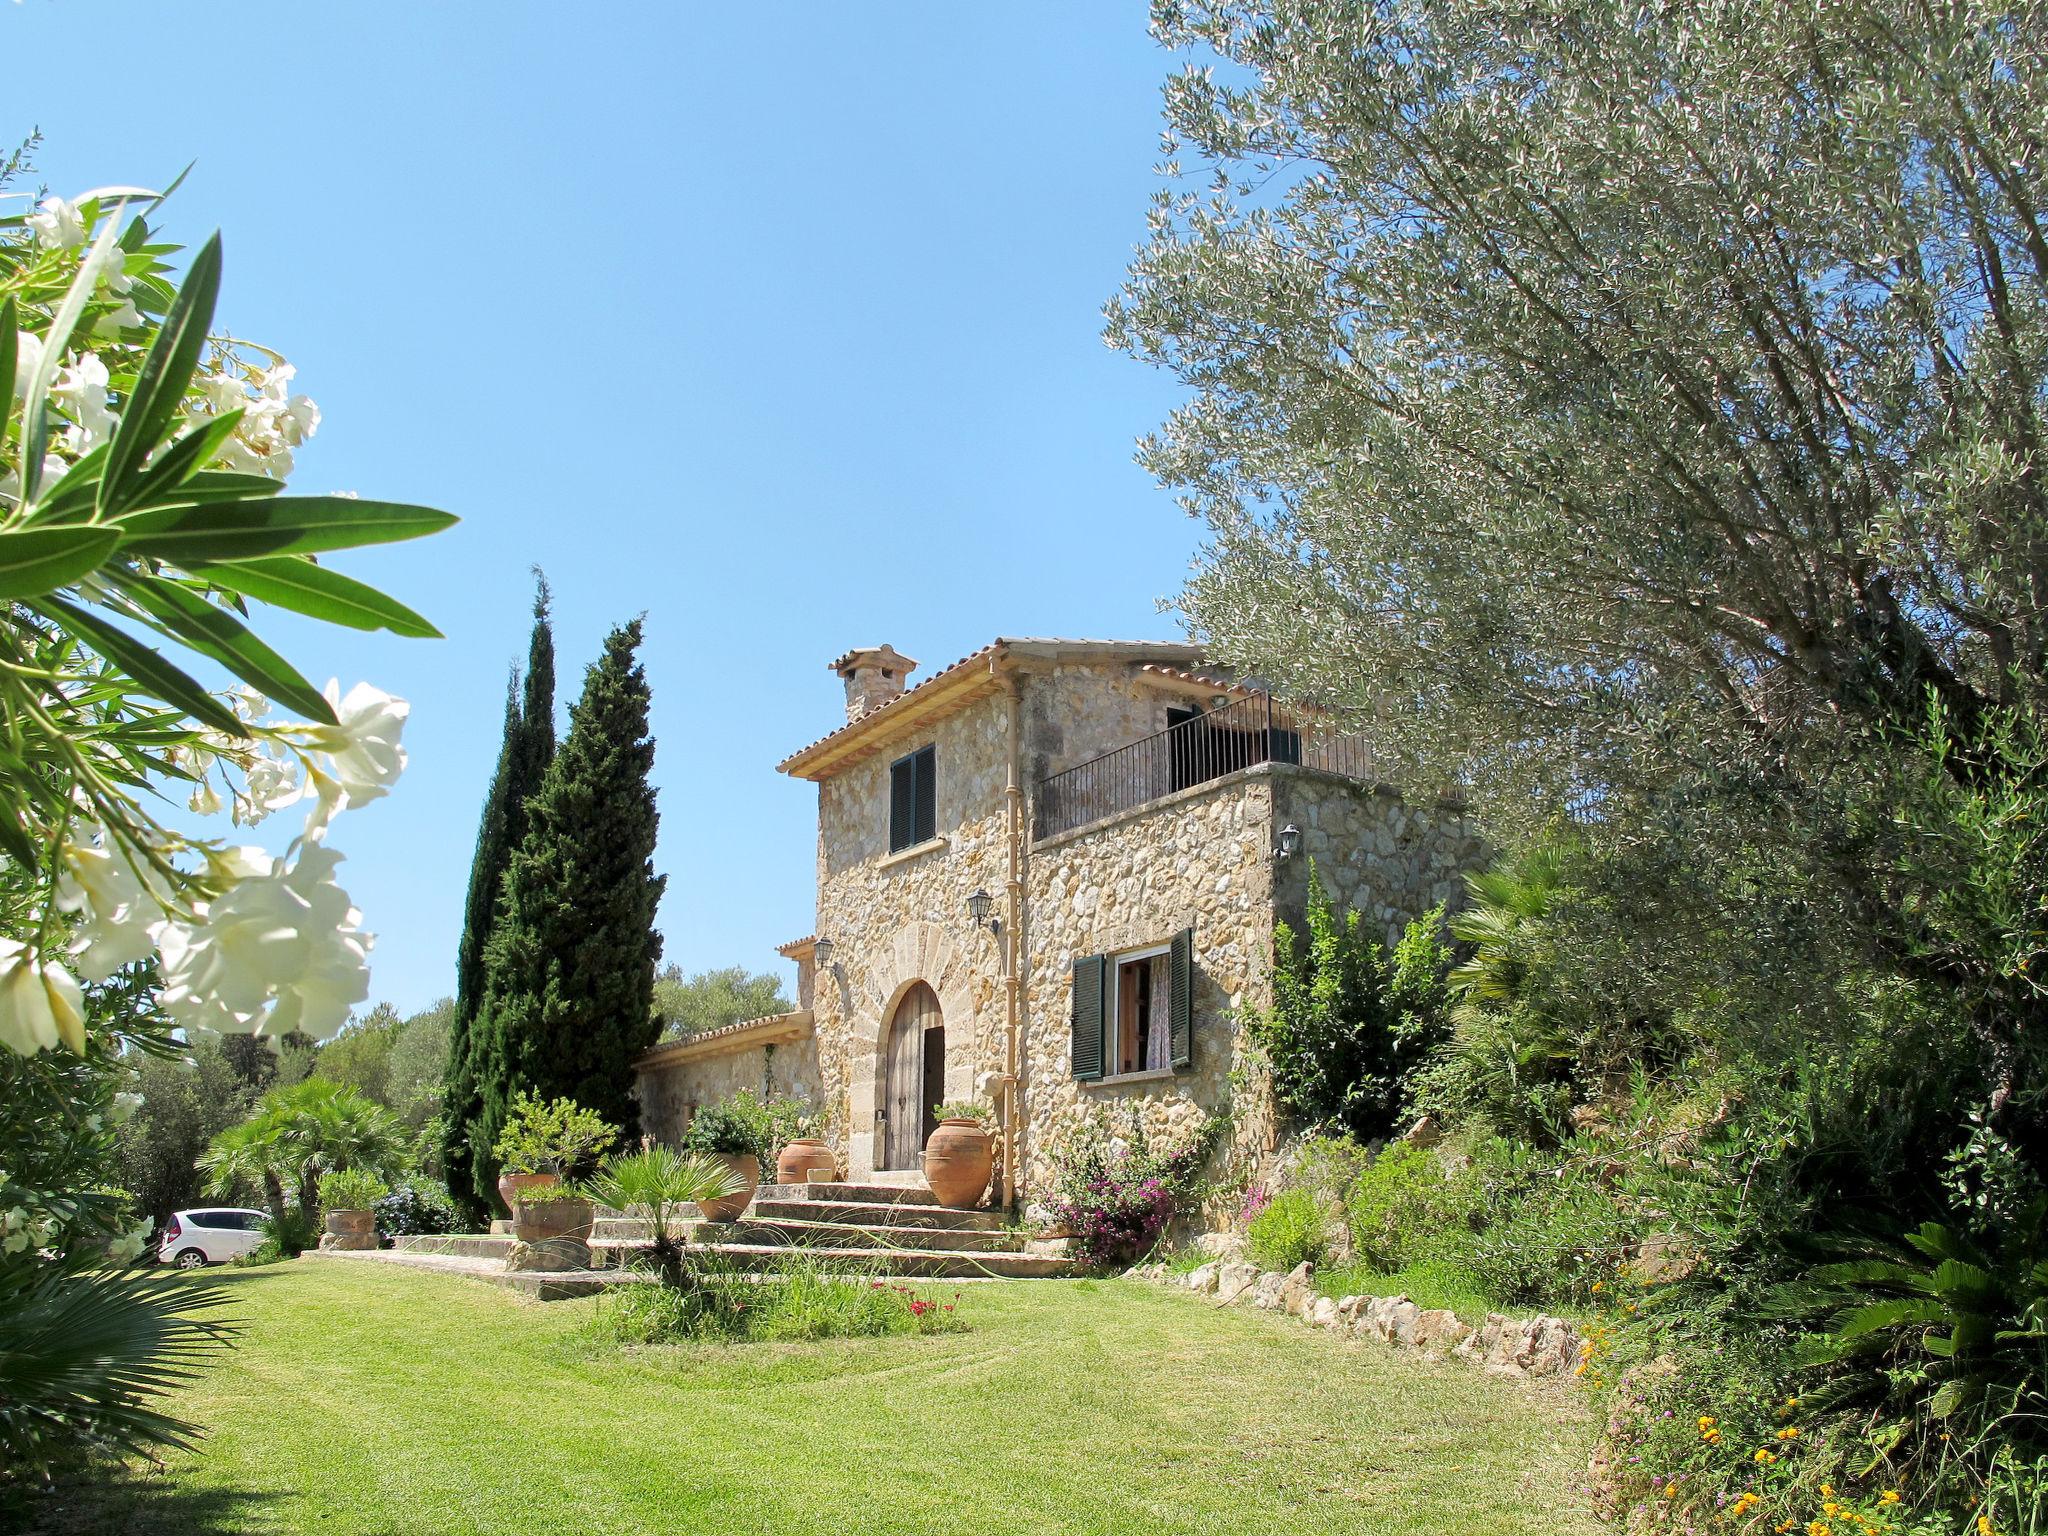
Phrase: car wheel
(190, 1258)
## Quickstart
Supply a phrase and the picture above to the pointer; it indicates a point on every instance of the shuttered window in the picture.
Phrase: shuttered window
(913, 799)
(1134, 1012)
(1181, 1003)
(1089, 974)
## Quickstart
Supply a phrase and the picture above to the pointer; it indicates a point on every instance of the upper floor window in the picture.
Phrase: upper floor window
(913, 799)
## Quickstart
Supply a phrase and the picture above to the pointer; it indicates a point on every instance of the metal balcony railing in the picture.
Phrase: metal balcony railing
(1205, 746)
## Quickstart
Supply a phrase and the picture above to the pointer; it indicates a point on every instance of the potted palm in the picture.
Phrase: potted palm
(545, 1143)
(657, 1185)
(726, 1133)
(961, 1154)
(347, 1198)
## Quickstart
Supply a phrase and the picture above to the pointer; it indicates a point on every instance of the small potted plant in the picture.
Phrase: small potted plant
(727, 1133)
(347, 1197)
(961, 1154)
(544, 1142)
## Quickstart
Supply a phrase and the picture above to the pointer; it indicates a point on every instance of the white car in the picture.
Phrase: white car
(211, 1236)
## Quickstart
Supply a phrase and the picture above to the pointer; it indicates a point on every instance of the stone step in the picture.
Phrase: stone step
(908, 1263)
(864, 1194)
(790, 1233)
(457, 1245)
(865, 1213)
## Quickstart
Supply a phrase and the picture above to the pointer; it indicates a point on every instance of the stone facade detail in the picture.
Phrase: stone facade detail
(1201, 859)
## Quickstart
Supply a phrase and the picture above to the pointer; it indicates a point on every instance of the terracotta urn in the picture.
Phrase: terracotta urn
(535, 1221)
(748, 1167)
(509, 1185)
(957, 1162)
(802, 1158)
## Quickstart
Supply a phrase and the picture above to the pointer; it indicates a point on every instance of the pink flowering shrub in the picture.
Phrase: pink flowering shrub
(1117, 1195)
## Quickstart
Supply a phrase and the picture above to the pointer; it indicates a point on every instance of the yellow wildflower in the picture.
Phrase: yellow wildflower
(1889, 1496)
(1765, 1458)
(1789, 1432)
(1817, 1528)
(1984, 1525)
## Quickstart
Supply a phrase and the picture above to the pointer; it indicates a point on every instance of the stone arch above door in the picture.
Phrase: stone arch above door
(919, 952)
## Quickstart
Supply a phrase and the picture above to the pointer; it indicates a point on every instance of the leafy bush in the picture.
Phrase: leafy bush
(1406, 1207)
(1291, 1228)
(551, 1136)
(1117, 1193)
(1349, 1028)
(1942, 1333)
(793, 1298)
(748, 1123)
(351, 1189)
(416, 1210)
(284, 1237)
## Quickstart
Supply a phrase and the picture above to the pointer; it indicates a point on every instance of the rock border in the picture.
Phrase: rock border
(1503, 1346)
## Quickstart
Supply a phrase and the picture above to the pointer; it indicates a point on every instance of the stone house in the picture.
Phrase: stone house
(1047, 880)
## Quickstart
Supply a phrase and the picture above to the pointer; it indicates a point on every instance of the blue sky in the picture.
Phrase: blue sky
(777, 323)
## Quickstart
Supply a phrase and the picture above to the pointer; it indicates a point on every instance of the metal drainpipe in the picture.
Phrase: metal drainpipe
(1013, 927)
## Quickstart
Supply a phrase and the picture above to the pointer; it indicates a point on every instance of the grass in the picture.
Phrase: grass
(368, 1400)
(1429, 1283)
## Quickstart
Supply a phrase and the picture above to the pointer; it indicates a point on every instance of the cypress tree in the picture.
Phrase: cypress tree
(526, 749)
(569, 970)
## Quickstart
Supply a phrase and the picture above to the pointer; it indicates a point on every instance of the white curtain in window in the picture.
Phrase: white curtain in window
(1159, 1030)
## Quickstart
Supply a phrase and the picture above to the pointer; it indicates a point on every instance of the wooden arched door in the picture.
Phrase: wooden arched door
(914, 1073)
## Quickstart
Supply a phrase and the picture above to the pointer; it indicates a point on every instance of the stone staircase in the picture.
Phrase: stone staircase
(896, 1230)
(900, 1230)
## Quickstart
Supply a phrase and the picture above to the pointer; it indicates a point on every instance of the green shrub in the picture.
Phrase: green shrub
(351, 1189)
(1405, 1208)
(1350, 1026)
(748, 1123)
(283, 1238)
(1291, 1228)
(555, 1136)
(793, 1298)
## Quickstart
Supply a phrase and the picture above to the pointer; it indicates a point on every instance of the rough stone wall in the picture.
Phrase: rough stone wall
(670, 1094)
(893, 921)
(1199, 859)
(1376, 853)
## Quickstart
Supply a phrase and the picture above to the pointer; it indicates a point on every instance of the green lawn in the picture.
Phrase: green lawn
(373, 1400)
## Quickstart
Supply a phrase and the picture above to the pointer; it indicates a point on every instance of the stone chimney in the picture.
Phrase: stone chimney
(873, 675)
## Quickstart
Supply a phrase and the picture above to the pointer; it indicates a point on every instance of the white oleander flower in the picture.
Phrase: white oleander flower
(124, 1107)
(363, 756)
(57, 224)
(283, 938)
(28, 357)
(98, 878)
(81, 390)
(112, 323)
(205, 800)
(223, 392)
(41, 1003)
(271, 784)
(53, 471)
(127, 1248)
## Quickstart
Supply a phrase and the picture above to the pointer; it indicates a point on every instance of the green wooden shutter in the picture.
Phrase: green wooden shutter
(902, 803)
(1181, 1003)
(1089, 981)
(924, 817)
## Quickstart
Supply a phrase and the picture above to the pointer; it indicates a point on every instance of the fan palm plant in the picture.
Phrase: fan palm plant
(252, 1153)
(659, 1184)
(82, 1352)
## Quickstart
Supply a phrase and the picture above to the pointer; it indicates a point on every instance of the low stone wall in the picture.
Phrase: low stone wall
(1505, 1346)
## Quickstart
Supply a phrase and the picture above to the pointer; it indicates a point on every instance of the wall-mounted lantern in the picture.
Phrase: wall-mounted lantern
(821, 954)
(1290, 842)
(977, 912)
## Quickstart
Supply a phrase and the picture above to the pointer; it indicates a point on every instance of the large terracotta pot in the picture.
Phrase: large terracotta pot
(748, 1167)
(802, 1158)
(509, 1185)
(957, 1162)
(535, 1221)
